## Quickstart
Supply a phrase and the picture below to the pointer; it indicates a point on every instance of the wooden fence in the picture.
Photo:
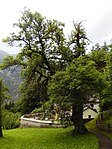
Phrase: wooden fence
(100, 122)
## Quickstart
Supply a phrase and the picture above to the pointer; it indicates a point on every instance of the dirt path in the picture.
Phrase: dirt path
(104, 142)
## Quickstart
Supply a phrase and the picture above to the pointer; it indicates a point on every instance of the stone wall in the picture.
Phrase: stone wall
(30, 122)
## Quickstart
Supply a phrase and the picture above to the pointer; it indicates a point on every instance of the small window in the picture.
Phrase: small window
(92, 105)
(89, 116)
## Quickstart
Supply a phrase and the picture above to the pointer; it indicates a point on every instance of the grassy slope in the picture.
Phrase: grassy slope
(92, 126)
(46, 138)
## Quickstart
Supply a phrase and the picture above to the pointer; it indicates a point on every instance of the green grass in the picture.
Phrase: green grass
(46, 138)
(92, 125)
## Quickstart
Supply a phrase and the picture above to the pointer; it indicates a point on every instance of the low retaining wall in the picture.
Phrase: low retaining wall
(30, 122)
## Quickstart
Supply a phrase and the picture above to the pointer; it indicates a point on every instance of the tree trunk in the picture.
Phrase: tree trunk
(1, 135)
(77, 119)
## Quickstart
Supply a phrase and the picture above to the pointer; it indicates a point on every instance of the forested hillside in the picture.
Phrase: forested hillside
(11, 77)
(3, 55)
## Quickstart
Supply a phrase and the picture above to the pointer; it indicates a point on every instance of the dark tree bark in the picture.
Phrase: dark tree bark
(77, 118)
(1, 134)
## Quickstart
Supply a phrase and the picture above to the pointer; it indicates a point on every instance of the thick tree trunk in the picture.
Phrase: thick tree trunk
(77, 119)
(1, 135)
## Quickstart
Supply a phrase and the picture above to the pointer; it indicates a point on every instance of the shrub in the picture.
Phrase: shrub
(37, 110)
(10, 120)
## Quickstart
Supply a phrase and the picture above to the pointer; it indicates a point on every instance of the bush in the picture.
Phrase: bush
(37, 110)
(10, 120)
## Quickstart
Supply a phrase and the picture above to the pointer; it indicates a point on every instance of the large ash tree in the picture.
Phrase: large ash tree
(45, 52)
(74, 87)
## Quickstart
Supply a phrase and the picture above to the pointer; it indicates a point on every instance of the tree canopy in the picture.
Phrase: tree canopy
(44, 50)
(75, 87)
(47, 57)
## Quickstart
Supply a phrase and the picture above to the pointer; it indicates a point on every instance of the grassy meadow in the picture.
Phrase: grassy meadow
(46, 138)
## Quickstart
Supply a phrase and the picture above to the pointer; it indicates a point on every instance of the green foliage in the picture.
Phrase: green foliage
(8, 61)
(1, 101)
(101, 55)
(108, 120)
(74, 87)
(10, 120)
(47, 139)
(44, 50)
(78, 40)
(106, 103)
(80, 76)
(3, 97)
(106, 96)
(46, 55)
(11, 76)
(9, 106)
(24, 105)
(33, 96)
(100, 58)
(37, 110)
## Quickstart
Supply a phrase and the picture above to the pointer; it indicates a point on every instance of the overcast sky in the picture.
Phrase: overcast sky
(97, 13)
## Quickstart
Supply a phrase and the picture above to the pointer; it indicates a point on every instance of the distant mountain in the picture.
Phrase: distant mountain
(11, 78)
(3, 55)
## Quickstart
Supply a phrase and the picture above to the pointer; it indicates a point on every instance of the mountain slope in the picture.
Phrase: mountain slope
(11, 78)
(3, 55)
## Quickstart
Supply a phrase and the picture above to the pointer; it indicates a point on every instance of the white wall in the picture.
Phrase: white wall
(88, 112)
